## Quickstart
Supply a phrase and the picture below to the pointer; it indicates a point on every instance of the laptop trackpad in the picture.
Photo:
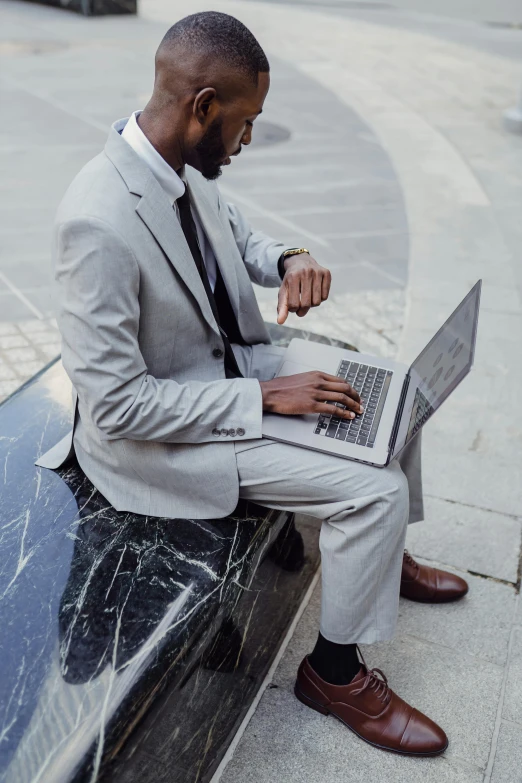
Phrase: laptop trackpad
(293, 368)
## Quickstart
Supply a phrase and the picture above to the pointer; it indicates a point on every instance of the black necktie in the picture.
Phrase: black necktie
(220, 304)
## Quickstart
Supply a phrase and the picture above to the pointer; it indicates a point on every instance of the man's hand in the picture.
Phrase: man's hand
(310, 392)
(305, 285)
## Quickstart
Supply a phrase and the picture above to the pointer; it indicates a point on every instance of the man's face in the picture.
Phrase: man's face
(228, 132)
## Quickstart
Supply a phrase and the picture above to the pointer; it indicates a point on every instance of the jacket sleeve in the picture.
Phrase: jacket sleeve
(259, 252)
(99, 315)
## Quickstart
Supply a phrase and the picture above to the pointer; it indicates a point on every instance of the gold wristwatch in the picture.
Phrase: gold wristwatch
(293, 251)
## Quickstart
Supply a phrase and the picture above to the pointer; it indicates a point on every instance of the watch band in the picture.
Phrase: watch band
(294, 251)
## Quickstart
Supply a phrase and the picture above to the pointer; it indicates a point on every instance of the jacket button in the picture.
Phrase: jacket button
(216, 432)
(240, 431)
(217, 352)
(232, 433)
(224, 432)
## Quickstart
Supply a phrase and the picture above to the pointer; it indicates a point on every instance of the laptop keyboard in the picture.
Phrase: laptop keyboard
(420, 413)
(372, 384)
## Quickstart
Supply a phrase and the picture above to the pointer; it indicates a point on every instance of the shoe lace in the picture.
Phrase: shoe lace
(409, 559)
(375, 680)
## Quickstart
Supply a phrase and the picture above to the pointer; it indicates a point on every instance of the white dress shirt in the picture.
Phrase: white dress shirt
(171, 183)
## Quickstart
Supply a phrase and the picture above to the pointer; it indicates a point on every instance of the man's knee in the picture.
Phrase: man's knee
(381, 491)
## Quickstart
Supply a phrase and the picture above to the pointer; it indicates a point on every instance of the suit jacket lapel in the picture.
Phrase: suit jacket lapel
(213, 229)
(156, 212)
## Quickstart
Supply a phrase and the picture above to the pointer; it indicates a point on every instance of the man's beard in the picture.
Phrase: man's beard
(211, 151)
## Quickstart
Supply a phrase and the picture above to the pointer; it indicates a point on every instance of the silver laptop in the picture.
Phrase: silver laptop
(397, 400)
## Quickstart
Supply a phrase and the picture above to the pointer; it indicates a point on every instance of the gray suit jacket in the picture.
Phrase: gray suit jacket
(138, 337)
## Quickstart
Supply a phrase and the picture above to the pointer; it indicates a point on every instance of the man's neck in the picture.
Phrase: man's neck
(170, 151)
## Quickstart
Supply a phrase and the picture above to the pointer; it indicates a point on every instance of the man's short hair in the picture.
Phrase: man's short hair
(222, 37)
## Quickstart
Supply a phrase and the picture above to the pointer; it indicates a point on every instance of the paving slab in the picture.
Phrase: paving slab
(474, 430)
(449, 686)
(494, 327)
(513, 698)
(468, 539)
(28, 272)
(507, 767)
(350, 194)
(28, 243)
(25, 347)
(487, 482)
(363, 276)
(287, 741)
(30, 177)
(54, 126)
(445, 682)
(334, 221)
(12, 308)
(479, 624)
(497, 298)
(518, 615)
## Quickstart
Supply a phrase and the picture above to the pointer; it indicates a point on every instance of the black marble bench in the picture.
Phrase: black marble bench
(96, 7)
(131, 646)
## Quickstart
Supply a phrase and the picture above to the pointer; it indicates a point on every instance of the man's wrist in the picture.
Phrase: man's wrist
(292, 251)
(265, 395)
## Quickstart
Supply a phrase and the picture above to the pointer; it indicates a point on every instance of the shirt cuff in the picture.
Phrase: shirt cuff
(281, 266)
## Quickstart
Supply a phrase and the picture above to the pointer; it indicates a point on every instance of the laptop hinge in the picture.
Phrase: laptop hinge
(398, 416)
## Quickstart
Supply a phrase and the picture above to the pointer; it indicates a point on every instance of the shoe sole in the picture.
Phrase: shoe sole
(314, 705)
(433, 600)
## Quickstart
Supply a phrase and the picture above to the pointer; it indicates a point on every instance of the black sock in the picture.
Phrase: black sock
(334, 663)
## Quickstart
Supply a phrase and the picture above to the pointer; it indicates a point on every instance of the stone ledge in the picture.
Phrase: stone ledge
(95, 7)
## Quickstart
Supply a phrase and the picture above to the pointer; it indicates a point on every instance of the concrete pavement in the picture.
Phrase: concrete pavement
(481, 24)
(398, 174)
(499, 11)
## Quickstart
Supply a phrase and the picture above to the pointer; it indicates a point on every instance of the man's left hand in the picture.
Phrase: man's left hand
(306, 284)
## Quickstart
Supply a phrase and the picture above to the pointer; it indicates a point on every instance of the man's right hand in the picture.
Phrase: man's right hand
(310, 392)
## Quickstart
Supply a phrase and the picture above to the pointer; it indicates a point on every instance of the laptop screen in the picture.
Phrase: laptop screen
(440, 367)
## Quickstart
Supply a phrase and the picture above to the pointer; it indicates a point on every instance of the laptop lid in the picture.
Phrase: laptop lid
(438, 369)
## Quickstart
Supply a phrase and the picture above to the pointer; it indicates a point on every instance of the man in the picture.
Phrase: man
(172, 366)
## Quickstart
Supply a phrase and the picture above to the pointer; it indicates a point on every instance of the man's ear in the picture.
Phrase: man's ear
(205, 105)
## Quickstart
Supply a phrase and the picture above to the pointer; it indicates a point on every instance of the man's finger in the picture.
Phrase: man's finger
(306, 292)
(326, 283)
(302, 311)
(341, 386)
(294, 298)
(317, 289)
(282, 305)
(330, 409)
(342, 399)
(331, 378)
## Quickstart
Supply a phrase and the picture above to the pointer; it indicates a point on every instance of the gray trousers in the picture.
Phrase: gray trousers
(365, 512)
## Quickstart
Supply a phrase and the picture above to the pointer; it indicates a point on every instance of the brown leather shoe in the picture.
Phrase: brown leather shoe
(369, 708)
(429, 585)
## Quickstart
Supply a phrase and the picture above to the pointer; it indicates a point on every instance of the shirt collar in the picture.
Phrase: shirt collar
(172, 184)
